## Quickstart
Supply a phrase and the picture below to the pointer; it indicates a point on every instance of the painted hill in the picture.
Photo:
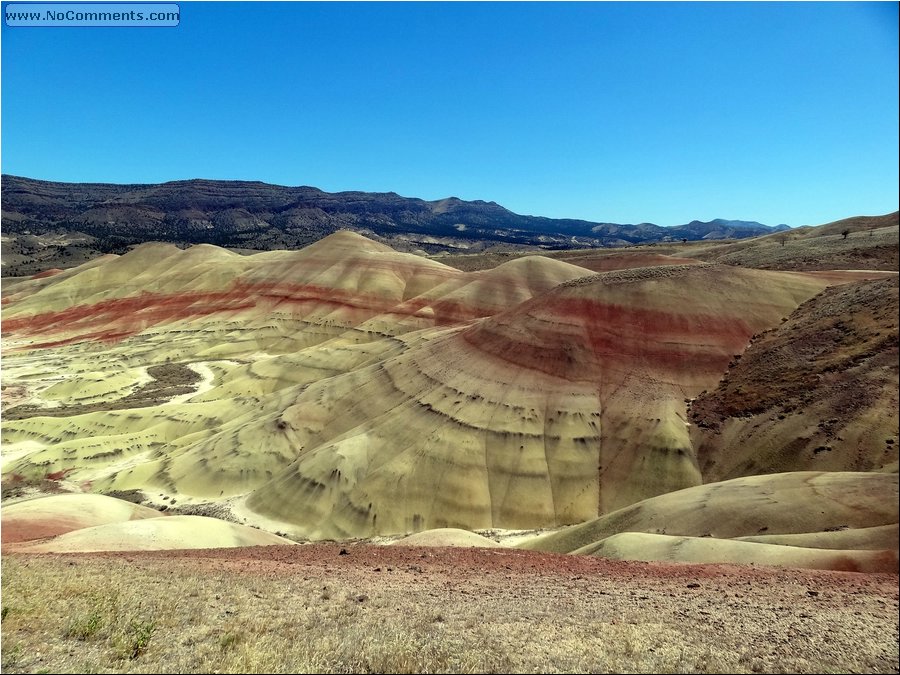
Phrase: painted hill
(348, 390)
(447, 537)
(51, 516)
(566, 406)
(658, 547)
(78, 522)
(838, 520)
(156, 534)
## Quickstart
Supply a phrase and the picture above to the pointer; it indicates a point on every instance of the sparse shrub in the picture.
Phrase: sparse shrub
(228, 641)
(84, 627)
(11, 657)
(133, 496)
(136, 638)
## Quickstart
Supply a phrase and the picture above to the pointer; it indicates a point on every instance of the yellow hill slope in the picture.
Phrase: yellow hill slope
(58, 514)
(154, 534)
(447, 536)
(338, 404)
(776, 518)
(659, 547)
(564, 407)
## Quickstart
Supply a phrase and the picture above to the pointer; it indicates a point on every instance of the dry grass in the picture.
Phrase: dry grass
(810, 250)
(74, 617)
(141, 615)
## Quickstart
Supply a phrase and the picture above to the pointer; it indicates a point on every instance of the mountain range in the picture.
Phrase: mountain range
(255, 215)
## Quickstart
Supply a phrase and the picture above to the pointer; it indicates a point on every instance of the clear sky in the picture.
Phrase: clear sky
(618, 112)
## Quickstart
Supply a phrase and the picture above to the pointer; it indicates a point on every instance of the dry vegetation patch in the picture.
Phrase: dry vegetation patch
(169, 380)
(357, 608)
(835, 331)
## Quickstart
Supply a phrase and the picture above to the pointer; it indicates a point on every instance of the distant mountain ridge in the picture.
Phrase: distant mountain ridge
(256, 215)
(736, 225)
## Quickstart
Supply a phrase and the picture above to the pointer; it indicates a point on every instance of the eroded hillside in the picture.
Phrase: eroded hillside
(347, 390)
(819, 392)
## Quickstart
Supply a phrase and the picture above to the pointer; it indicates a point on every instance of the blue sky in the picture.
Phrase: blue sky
(618, 112)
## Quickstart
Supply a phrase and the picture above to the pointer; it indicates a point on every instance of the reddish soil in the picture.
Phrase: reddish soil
(504, 565)
(608, 334)
(16, 530)
(53, 271)
(124, 317)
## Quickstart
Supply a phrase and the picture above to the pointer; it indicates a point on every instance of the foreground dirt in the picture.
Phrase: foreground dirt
(365, 608)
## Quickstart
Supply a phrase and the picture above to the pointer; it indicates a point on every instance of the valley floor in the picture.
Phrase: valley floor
(363, 608)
